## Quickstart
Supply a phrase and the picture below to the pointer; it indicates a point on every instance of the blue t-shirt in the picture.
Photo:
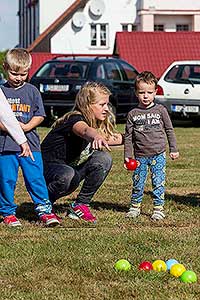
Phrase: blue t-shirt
(26, 102)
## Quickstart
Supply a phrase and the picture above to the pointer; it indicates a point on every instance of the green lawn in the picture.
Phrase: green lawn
(76, 261)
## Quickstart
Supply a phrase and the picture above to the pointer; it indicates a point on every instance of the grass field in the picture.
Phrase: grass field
(75, 261)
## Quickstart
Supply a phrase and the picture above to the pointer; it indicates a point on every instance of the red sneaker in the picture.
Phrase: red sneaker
(57, 217)
(12, 221)
(49, 219)
(81, 211)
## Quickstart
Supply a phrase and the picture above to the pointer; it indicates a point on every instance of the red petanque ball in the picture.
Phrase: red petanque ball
(146, 266)
(131, 164)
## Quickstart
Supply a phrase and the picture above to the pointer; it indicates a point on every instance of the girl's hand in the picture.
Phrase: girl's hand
(26, 151)
(174, 155)
(99, 142)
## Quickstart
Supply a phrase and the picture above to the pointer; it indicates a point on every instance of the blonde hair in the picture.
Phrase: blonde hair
(87, 96)
(17, 58)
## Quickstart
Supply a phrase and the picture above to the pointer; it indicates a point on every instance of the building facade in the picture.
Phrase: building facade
(90, 26)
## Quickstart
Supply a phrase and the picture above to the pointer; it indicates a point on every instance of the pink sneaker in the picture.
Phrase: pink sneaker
(57, 217)
(81, 211)
(12, 221)
(49, 219)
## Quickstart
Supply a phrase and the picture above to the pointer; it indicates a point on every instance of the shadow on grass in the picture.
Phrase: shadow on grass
(192, 199)
(188, 200)
(26, 209)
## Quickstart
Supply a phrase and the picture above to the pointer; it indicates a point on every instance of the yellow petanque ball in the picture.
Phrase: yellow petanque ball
(159, 266)
(177, 270)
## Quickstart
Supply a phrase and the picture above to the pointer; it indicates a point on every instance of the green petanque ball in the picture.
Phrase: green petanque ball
(188, 277)
(122, 265)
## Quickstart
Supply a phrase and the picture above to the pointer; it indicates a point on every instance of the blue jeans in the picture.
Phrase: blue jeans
(63, 179)
(157, 165)
(34, 181)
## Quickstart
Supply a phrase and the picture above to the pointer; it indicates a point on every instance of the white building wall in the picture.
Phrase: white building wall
(67, 40)
(149, 13)
(196, 23)
(50, 10)
(171, 4)
(170, 22)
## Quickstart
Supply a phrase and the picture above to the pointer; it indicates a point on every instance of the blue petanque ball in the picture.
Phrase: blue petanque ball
(170, 263)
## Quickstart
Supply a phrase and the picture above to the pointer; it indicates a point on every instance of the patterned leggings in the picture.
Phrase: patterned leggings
(156, 164)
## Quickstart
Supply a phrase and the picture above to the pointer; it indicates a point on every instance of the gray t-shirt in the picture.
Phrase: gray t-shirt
(147, 132)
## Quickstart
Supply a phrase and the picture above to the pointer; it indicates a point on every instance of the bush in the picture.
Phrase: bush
(2, 56)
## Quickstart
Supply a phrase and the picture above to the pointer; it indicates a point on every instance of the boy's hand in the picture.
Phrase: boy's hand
(174, 155)
(26, 151)
(24, 127)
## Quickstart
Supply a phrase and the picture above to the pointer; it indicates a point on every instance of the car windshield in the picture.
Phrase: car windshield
(63, 69)
(186, 74)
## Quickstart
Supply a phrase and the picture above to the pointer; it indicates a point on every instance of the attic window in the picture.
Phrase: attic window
(129, 27)
(182, 27)
(99, 35)
(158, 27)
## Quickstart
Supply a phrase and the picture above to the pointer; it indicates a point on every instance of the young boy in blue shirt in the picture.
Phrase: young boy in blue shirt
(9, 123)
(26, 103)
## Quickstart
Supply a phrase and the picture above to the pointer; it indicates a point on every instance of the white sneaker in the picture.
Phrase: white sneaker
(158, 214)
(133, 212)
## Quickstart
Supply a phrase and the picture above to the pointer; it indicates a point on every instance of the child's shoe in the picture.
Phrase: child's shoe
(49, 219)
(81, 211)
(158, 213)
(134, 211)
(12, 221)
(57, 217)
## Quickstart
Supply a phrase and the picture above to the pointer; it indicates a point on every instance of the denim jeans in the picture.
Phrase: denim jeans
(63, 179)
(156, 164)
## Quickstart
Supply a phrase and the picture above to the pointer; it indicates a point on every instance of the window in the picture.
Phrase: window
(129, 27)
(130, 72)
(99, 35)
(182, 27)
(158, 27)
(113, 71)
(184, 74)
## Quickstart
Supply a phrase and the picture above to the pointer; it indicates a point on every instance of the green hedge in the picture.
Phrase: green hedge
(2, 55)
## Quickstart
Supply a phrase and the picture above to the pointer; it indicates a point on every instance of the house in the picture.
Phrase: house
(89, 27)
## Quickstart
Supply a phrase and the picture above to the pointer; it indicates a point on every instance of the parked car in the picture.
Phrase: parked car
(179, 89)
(60, 79)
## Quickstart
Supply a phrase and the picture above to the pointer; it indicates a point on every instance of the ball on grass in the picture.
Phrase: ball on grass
(159, 266)
(188, 277)
(122, 265)
(146, 266)
(170, 263)
(177, 270)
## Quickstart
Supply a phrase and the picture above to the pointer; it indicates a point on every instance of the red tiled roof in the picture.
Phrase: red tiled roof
(38, 58)
(155, 51)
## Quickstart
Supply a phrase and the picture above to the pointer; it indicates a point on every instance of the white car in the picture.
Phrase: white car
(179, 89)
